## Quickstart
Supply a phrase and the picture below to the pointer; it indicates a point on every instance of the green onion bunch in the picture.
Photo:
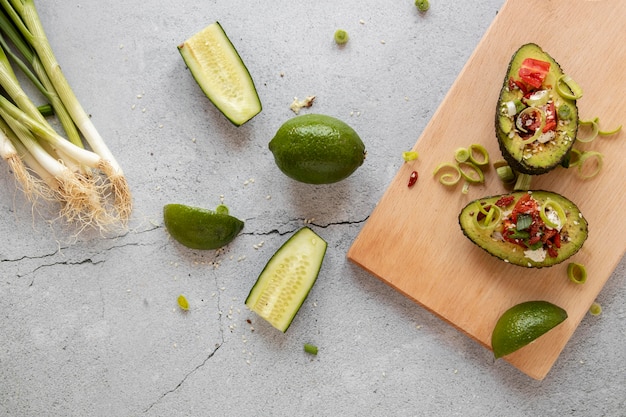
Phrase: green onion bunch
(74, 168)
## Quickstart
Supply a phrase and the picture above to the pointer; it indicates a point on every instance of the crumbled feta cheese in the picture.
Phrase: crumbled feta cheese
(298, 105)
(537, 255)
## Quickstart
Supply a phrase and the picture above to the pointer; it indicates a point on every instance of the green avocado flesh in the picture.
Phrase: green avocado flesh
(533, 229)
(535, 124)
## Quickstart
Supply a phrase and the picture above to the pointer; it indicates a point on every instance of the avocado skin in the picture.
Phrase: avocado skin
(532, 50)
(503, 250)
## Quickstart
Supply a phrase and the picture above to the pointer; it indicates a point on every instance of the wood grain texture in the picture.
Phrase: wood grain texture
(412, 239)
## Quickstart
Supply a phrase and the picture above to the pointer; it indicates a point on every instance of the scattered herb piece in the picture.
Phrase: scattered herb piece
(422, 5)
(409, 155)
(595, 309)
(183, 303)
(309, 348)
(341, 37)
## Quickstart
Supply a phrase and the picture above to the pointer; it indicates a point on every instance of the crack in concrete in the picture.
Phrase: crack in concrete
(185, 377)
(305, 222)
(218, 345)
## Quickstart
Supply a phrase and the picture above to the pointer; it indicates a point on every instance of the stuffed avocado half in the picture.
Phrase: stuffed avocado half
(536, 115)
(533, 229)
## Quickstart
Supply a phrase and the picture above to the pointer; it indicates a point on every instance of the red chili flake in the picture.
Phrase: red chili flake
(412, 179)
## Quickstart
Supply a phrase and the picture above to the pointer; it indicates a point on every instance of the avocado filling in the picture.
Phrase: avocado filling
(524, 226)
(536, 118)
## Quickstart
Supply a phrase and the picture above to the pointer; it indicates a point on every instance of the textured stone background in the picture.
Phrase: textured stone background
(90, 326)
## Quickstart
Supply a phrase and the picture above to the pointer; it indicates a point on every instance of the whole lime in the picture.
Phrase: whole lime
(317, 149)
(523, 323)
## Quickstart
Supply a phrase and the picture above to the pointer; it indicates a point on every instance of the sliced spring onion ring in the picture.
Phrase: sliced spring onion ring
(492, 216)
(573, 90)
(538, 98)
(448, 178)
(594, 130)
(595, 309)
(477, 148)
(461, 154)
(555, 207)
(609, 132)
(465, 188)
(586, 156)
(574, 157)
(538, 131)
(409, 155)
(469, 177)
(577, 273)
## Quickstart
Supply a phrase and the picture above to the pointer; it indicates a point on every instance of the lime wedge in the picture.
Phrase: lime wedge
(199, 228)
(523, 323)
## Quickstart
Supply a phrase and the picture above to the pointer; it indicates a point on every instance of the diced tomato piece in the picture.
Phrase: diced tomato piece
(550, 117)
(534, 71)
(505, 201)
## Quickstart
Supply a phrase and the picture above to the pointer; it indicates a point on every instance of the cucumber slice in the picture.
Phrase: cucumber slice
(287, 279)
(218, 69)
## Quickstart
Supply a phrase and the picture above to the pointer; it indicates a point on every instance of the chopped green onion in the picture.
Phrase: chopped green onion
(479, 177)
(538, 98)
(564, 112)
(63, 163)
(46, 110)
(551, 206)
(609, 132)
(309, 348)
(409, 155)
(222, 209)
(594, 130)
(511, 108)
(577, 273)
(573, 157)
(506, 174)
(573, 90)
(341, 37)
(477, 148)
(461, 155)
(523, 221)
(492, 216)
(539, 130)
(448, 178)
(523, 182)
(583, 171)
(595, 309)
(183, 303)
(422, 5)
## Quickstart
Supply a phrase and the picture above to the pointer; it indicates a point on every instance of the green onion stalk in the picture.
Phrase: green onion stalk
(90, 184)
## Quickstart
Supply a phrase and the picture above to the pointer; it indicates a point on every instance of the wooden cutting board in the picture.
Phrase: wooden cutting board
(412, 240)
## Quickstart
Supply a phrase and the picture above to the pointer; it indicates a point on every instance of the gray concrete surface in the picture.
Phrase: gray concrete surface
(90, 325)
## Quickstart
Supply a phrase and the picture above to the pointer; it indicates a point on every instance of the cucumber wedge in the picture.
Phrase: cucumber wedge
(287, 279)
(536, 115)
(219, 70)
(534, 229)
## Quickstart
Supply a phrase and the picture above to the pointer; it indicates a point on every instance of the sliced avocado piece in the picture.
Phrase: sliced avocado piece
(535, 124)
(533, 229)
